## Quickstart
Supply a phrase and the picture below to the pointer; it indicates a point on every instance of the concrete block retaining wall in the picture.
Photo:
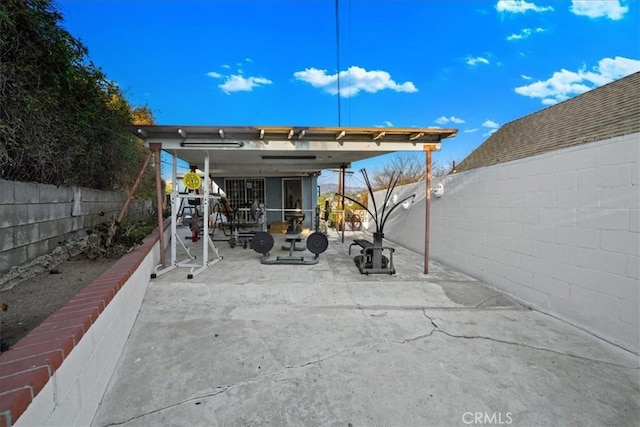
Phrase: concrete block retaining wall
(559, 231)
(57, 374)
(37, 218)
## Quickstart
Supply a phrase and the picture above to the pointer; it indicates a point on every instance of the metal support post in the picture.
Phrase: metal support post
(427, 210)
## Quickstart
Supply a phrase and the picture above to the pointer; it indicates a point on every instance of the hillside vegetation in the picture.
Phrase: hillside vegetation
(61, 118)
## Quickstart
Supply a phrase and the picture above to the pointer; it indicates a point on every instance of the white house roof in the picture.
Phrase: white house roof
(284, 150)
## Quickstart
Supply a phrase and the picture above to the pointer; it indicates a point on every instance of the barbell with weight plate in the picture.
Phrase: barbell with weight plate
(317, 243)
(262, 242)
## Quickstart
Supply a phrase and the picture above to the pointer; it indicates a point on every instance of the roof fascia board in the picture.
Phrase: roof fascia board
(288, 145)
(288, 132)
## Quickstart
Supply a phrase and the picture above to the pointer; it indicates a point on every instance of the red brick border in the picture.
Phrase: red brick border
(32, 361)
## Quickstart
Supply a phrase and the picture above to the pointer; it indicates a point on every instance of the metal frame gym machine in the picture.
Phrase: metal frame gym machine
(316, 242)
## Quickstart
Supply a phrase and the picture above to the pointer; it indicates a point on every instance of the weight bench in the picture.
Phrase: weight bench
(294, 219)
(292, 239)
(364, 244)
(263, 242)
(371, 258)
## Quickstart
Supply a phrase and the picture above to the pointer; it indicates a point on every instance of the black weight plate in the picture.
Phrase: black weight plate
(262, 242)
(317, 243)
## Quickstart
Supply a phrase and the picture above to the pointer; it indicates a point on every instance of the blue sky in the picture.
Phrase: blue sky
(472, 65)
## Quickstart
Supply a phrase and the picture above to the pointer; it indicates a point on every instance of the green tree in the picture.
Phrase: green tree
(143, 116)
(61, 119)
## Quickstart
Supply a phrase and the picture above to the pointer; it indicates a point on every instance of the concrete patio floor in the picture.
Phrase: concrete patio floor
(249, 344)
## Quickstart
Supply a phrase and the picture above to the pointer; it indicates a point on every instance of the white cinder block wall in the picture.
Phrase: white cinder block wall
(559, 231)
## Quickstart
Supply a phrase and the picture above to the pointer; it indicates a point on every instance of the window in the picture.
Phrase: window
(242, 193)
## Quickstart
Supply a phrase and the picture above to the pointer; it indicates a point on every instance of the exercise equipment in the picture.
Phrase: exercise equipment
(263, 242)
(232, 228)
(199, 198)
(317, 243)
(371, 259)
(192, 180)
(292, 236)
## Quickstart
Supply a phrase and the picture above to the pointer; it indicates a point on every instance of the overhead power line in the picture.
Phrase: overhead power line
(337, 12)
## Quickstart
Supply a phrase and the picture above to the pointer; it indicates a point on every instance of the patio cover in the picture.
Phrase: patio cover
(284, 150)
(250, 151)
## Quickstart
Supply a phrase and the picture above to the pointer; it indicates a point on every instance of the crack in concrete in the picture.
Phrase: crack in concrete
(533, 347)
(486, 301)
(320, 360)
(155, 411)
(560, 353)
(361, 308)
(224, 388)
(424, 313)
(419, 337)
(412, 307)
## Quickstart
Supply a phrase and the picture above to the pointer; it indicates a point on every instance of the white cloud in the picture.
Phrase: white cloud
(519, 6)
(524, 76)
(352, 81)
(470, 130)
(248, 60)
(476, 60)
(565, 84)
(490, 124)
(385, 124)
(453, 119)
(612, 9)
(237, 83)
(525, 33)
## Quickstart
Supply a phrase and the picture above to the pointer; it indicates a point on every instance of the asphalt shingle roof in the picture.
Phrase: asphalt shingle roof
(602, 113)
